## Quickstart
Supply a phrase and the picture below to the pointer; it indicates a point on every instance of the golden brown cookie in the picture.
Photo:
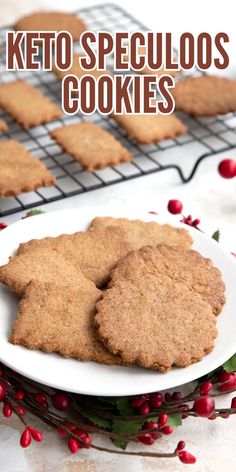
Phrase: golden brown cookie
(147, 129)
(3, 126)
(44, 265)
(26, 104)
(141, 233)
(181, 265)
(96, 252)
(52, 21)
(91, 145)
(77, 70)
(57, 318)
(155, 322)
(205, 95)
(20, 171)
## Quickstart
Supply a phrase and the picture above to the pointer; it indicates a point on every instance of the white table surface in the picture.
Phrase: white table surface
(208, 197)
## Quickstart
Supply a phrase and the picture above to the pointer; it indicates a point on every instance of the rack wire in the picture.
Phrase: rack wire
(205, 136)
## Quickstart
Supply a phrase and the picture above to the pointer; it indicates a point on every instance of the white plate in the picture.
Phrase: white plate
(89, 377)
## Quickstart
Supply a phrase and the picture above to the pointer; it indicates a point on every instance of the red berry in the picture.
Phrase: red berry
(162, 420)
(225, 376)
(7, 410)
(233, 402)
(150, 425)
(3, 226)
(20, 410)
(19, 395)
(81, 433)
(25, 439)
(40, 397)
(156, 396)
(167, 429)
(175, 207)
(3, 392)
(205, 388)
(36, 435)
(196, 222)
(146, 439)
(137, 402)
(186, 457)
(86, 439)
(176, 396)
(155, 403)
(144, 409)
(227, 168)
(204, 406)
(61, 401)
(73, 445)
(213, 417)
(69, 426)
(230, 385)
(180, 446)
(168, 397)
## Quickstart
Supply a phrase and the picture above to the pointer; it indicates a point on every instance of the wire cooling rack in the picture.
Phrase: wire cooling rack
(205, 136)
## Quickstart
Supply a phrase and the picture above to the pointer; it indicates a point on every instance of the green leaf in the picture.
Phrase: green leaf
(216, 235)
(108, 400)
(120, 443)
(101, 422)
(174, 420)
(230, 365)
(34, 212)
(123, 406)
(127, 427)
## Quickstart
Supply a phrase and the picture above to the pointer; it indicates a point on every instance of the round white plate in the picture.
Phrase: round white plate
(89, 377)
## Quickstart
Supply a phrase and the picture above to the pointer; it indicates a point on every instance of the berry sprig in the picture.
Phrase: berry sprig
(144, 418)
(175, 207)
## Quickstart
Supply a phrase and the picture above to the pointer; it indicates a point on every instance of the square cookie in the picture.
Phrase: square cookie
(91, 145)
(20, 171)
(26, 104)
(146, 129)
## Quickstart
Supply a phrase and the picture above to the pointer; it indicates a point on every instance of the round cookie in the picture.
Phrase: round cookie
(155, 322)
(182, 265)
(52, 21)
(205, 95)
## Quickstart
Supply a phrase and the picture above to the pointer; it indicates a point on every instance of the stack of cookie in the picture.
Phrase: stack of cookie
(124, 292)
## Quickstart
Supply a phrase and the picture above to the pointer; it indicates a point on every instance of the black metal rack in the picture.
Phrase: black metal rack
(205, 136)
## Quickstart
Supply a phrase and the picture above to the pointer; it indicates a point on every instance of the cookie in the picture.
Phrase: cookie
(155, 322)
(26, 104)
(182, 265)
(76, 70)
(205, 95)
(3, 126)
(91, 145)
(141, 233)
(96, 252)
(57, 318)
(44, 265)
(146, 70)
(20, 171)
(52, 21)
(146, 129)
